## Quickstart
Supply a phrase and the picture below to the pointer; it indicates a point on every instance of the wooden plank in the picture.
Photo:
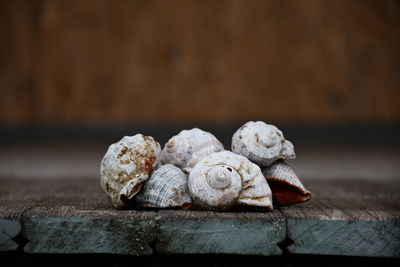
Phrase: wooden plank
(354, 218)
(74, 216)
(345, 217)
(194, 232)
(129, 235)
(9, 229)
(13, 203)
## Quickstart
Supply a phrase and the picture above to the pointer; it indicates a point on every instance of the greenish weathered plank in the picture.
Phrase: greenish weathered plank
(353, 218)
(10, 224)
(74, 216)
(9, 228)
(343, 237)
(189, 232)
(345, 217)
(68, 235)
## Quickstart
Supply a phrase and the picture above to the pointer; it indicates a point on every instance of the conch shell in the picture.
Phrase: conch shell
(166, 188)
(224, 179)
(285, 185)
(188, 147)
(126, 165)
(262, 143)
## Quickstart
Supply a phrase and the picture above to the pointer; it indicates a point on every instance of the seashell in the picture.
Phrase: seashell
(166, 188)
(262, 143)
(126, 165)
(188, 147)
(285, 185)
(224, 179)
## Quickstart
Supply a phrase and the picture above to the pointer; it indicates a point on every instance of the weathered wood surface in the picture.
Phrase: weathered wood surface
(355, 218)
(74, 216)
(9, 229)
(228, 232)
(358, 217)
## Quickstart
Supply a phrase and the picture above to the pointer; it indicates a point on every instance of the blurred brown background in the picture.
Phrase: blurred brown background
(101, 62)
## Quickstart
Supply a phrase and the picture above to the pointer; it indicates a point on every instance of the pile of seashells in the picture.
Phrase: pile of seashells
(195, 171)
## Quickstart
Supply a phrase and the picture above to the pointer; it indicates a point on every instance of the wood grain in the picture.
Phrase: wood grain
(198, 61)
(194, 232)
(65, 216)
(345, 217)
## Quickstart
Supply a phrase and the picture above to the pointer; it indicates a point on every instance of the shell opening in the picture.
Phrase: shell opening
(126, 197)
(284, 193)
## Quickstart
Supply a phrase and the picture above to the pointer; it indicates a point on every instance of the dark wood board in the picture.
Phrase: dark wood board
(356, 217)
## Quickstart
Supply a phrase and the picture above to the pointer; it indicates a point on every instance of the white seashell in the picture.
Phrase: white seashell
(262, 143)
(166, 188)
(126, 165)
(224, 179)
(285, 185)
(188, 147)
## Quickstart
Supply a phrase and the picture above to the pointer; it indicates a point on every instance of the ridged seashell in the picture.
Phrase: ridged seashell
(166, 188)
(224, 179)
(285, 185)
(188, 147)
(262, 143)
(126, 165)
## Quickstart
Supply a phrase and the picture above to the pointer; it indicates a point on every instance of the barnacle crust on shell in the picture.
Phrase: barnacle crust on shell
(262, 143)
(224, 179)
(126, 165)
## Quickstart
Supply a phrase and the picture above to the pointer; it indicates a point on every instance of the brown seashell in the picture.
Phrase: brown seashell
(285, 185)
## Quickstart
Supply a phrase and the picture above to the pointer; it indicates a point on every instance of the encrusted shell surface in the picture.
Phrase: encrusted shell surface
(285, 185)
(166, 188)
(262, 143)
(126, 165)
(188, 147)
(224, 179)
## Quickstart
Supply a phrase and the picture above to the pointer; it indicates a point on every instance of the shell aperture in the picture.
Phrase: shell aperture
(285, 185)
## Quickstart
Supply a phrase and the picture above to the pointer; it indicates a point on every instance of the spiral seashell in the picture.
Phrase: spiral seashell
(224, 179)
(262, 143)
(188, 147)
(285, 185)
(166, 188)
(126, 165)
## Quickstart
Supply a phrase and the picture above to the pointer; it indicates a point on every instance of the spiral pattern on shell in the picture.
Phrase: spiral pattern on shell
(224, 179)
(262, 143)
(188, 147)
